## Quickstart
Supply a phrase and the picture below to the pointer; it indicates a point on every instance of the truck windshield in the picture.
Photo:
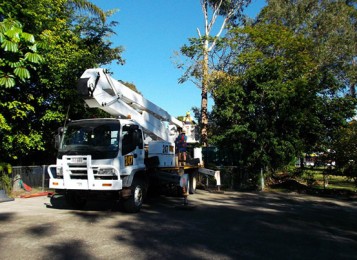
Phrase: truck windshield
(97, 138)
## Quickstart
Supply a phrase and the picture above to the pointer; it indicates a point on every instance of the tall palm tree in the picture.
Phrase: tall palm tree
(86, 5)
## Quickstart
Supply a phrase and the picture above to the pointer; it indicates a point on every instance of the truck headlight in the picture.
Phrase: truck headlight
(59, 171)
(106, 172)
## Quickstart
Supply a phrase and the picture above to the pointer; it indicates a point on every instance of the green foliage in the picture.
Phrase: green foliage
(86, 5)
(55, 44)
(280, 86)
(18, 58)
(330, 25)
(229, 7)
(132, 86)
(345, 152)
(17, 51)
(5, 180)
(272, 103)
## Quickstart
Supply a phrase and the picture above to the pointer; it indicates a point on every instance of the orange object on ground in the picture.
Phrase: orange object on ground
(26, 187)
(38, 194)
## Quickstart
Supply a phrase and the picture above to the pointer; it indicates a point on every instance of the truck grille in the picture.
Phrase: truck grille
(78, 167)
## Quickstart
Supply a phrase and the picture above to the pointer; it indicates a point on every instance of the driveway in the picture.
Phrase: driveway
(232, 225)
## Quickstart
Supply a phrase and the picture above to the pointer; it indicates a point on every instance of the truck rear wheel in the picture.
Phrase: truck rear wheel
(192, 184)
(134, 203)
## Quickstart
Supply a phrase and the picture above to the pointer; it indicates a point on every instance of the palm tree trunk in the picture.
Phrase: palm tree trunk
(204, 100)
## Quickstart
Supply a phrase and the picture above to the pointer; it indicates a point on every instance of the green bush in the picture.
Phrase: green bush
(5, 180)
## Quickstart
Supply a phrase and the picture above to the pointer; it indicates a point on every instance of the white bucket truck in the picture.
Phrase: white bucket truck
(119, 157)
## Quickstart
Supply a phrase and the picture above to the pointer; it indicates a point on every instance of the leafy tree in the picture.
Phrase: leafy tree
(200, 49)
(332, 27)
(330, 24)
(5, 180)
(345, 150)
(69, 44)
(18, 57)
(273, 101)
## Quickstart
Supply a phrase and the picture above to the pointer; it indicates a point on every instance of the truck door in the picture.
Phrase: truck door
(132, 149)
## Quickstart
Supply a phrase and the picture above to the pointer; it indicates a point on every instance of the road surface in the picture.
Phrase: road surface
(232, 225)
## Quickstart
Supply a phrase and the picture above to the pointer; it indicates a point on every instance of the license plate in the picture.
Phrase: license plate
(77, 160)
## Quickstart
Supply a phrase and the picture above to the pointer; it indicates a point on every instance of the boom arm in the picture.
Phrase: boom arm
(100, 90)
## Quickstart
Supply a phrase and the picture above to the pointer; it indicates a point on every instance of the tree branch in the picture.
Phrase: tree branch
(199, 33)
(204, 5)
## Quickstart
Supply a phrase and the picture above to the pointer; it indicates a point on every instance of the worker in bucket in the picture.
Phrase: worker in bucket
(187, 119)
(181, 144)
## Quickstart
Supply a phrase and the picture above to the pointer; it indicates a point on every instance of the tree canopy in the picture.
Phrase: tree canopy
(59, 40)
(332, 27)
(276, 98)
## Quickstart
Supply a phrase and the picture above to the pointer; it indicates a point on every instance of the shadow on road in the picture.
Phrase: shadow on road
(232, 225)
(247, 225)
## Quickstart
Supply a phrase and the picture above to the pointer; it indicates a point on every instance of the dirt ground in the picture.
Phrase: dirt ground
(232, 225)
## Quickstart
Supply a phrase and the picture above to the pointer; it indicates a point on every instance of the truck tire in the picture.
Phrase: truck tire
(192, 184)
(75, 199)
(134, 203)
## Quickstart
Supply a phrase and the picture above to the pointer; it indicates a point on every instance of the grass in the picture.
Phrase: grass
(312, 182)
(335, 182)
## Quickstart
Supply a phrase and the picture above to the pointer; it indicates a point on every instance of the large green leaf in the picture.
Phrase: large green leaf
(28, 37)
(33, 48)
(9, 46)
(3, 28)
(22, 73)
(33, 57)
(13, 34)
(16, 64)
(7, 81)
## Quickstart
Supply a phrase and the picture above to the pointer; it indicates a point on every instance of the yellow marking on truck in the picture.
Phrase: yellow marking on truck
(128, 160)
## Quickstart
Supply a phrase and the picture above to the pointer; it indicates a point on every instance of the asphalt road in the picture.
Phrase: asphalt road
(233, 225)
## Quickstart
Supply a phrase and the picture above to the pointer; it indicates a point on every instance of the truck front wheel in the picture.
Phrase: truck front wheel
(134, 203)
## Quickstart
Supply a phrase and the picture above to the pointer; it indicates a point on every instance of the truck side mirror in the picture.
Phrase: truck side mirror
(138, 139)
(58, 137)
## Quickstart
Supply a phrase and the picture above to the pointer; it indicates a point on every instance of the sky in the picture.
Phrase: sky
(151, 32)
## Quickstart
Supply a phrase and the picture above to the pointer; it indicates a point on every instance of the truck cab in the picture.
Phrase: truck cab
(98, 155)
